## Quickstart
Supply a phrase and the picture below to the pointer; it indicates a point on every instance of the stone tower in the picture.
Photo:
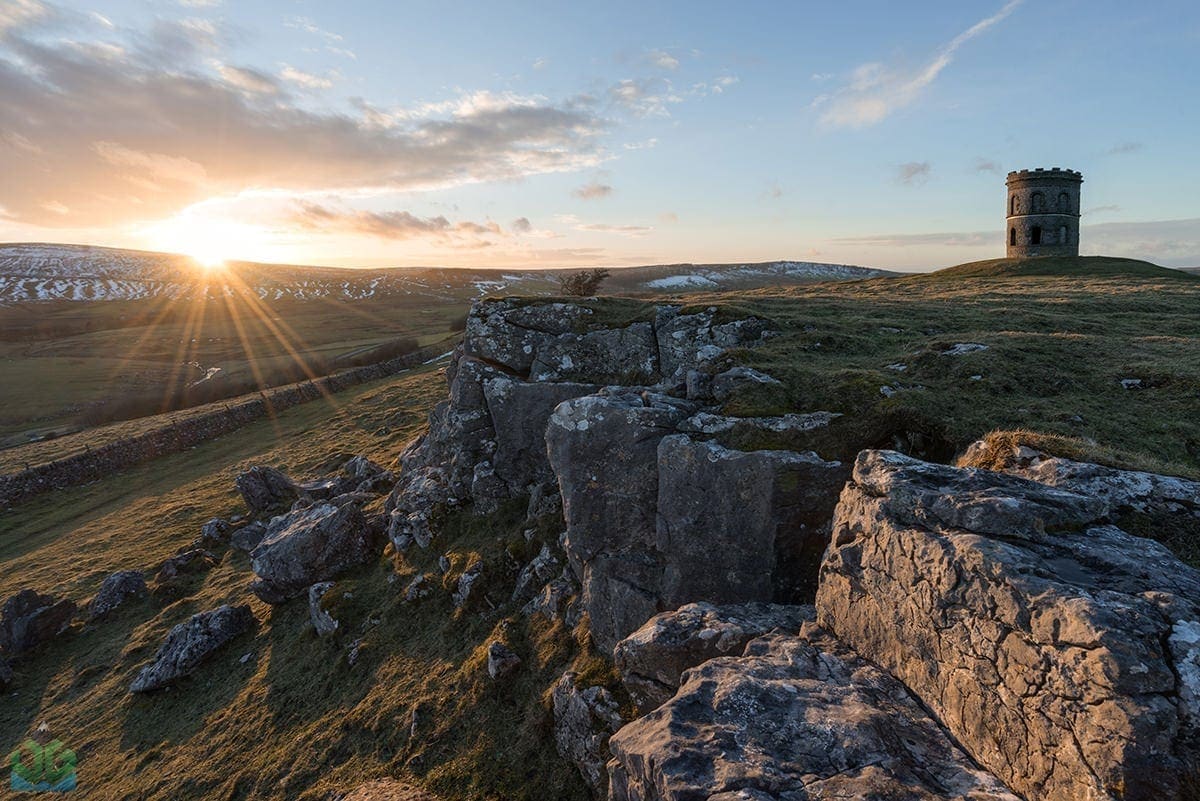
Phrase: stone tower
(1043, 212)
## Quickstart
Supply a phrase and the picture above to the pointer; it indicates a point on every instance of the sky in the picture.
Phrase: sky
(540, 134)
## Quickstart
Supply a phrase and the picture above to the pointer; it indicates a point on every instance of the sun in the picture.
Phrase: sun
(209, 259)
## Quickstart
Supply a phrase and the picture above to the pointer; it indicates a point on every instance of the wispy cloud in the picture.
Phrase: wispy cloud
(1099, 210)
(987, 165)
(1124, 148)
(593, 190)
(397, 225)
(875, 90)
(305, 80)
(914, 173)
(605, 228)
(308, 26)
(663, 60)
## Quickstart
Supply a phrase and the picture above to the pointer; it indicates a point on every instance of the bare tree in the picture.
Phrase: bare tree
(582, 284)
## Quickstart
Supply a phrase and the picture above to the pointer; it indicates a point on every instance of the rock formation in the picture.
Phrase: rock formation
(1058, 650)
(115, 590)
(190, 643)
(310, 545)
(29, 619)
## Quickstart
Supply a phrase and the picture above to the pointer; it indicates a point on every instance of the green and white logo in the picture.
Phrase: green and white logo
(38, 768)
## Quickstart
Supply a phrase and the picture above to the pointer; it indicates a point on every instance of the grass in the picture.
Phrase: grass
(296, 720)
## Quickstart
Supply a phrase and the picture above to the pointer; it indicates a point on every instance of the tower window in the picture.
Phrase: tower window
(1012, 236)
(1035, 235)
(1062, 235)
(1039, 202)
(1012, 205)
(1064, 202)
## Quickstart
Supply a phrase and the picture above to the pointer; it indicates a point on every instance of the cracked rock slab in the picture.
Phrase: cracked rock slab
(1057, 649)
(795, 718)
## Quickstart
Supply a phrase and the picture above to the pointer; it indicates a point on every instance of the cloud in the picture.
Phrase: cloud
(643, 145)
(663, 60)
(308, 26)
(1124, 148)
(914, 173)
(876, 90)
(139, 131)
(987, 165)
(16, 14)
(604, 228)
(668, 217)
(521, 225)
(540, 63)
(955, 239)
(248, 80)
(305, 80)
(644, 97)
(1099, 210)
(593, 191)
(397, 225)
(199, 3)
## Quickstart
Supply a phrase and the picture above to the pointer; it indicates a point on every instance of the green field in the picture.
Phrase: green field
(62, 361)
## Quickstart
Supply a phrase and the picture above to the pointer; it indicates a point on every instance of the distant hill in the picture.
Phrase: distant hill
(1091, 266)
(46, 272)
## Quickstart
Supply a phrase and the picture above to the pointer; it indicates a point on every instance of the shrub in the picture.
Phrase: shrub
(582, 284)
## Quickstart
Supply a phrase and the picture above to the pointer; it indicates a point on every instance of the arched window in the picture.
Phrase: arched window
(1012, 205)
(1012, 236)
(1035, 235)
(1062, 235)
(1039, 202)
(1064, 202)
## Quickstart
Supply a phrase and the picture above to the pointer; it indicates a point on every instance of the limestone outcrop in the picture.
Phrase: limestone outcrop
(795, 717)
(584, 719)
(1060, 651)
(190, 643)
(652, 660)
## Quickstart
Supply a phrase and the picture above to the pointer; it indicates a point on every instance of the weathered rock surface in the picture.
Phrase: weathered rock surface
(214, 533)
(795, 718)
(652, 660)
(737, 526)
(323, 622)
(29, 619)
(627, 356)
(535, 575)
(1049, 645)
(1120, 490)
(248, 536)
(501, 660)
(464, 591)
(584, 719)
(736, 379)
(265, 489)
(308, 546)
(520, 412)
(689, 341)
(190, 643)
(115, 590)
(603, 448)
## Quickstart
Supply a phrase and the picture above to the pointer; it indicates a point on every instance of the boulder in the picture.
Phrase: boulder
(763, 516)
(420, 587)
(1049, 644)
(214, 533)
(463, 592)
(520, 411)
(190, 643)
(265, 489)
(189, 562)
(248, 536)
(362, 475)
(323, 622)
(627, 356)
(308, 546)
(584, 719)
(501, 661)
(535, 575)
(652, 660)
(419, 498)
(796, 717)
(29, 619)
(611, 522)
(728, 383)
(115, 590)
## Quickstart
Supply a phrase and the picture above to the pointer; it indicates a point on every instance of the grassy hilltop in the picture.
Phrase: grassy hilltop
(296, 721)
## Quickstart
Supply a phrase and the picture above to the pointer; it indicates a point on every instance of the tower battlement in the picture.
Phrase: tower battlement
(1043, 212)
